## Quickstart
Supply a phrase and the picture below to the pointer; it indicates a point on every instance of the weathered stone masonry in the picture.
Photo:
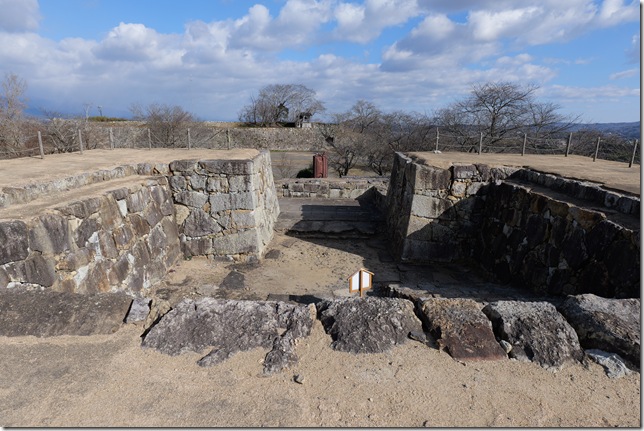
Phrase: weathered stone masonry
(224, 208)
(99, 244)
(544, 232)
(126, 239)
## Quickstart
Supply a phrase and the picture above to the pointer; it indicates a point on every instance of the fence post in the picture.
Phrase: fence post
(228, 137)
(568, 144)
(480, 143)
(149, 140)
(80, 141)
(596, 149)
(42, 151)
(632, 158)
(437, 139)
(111, 139)
(189, 143)
(525, 140)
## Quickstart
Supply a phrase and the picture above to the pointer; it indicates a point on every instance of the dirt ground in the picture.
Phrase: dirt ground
(16, 172)
(110, 380)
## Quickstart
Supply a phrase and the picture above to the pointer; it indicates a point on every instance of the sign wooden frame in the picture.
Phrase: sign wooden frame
(360, 281)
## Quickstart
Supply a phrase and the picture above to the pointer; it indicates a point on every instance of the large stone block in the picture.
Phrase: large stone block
(200, 223)
(231, 327)
(39, 271)
(228, 167)
(612, 325)
(109, 213)
(49, 234)
(368, 325)
(240, 183)
(177, 183)
(233, 201)
(86, 229)
(137, 201)
(236, 243)
(81, 209)
(183, 166)
(431, 207)
(48, 314)
(14, 240)
(462, 329)
(432, 178)
(198, 182)
(191, 199)
(536, 331)
(465, 172)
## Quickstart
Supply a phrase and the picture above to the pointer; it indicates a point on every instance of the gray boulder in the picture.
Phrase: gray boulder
(48, 314)
(232, 326)
(462, 329)
(368, 325)
(612, 325)
(536, 331)
(139, 310)
(613, 364)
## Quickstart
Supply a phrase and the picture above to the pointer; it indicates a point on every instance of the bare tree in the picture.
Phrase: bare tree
(499, 111)
(279, 103)
(365, 134)
(12, 118)
(168, 125)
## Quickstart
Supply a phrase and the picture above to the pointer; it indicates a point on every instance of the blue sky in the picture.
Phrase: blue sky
(210, 57)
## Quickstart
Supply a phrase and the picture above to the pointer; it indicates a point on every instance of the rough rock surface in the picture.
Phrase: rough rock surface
(536, 331)
(139, 310)
(461, 329)
(232, 326)
(612, 363)
(368, 325)
(48, 314)
(612, 325)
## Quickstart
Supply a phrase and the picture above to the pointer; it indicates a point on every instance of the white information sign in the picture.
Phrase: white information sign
(360, 281)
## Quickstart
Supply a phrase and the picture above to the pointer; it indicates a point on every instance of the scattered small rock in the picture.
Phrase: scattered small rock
(273, 254)
(418, 336)
(506, 346)
(234, 280)
(299, 379)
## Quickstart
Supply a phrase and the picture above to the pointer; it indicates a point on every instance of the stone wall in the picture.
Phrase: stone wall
(225, 208)
(124, 240)
(219, 136)
(546, 233)
(433, 214)
(330, 188)
(530, 238)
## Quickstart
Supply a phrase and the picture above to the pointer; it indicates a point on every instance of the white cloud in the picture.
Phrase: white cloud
(213, 68)
(633, 52)
(614, 12)
(19, 15)
(362, 23)
(489, 26)
(593, 94)
(623, 74)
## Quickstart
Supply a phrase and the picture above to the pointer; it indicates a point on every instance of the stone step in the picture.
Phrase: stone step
(328, 218)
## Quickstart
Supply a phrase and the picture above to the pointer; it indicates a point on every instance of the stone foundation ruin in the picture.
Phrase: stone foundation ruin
(546, 233)
(126, 239)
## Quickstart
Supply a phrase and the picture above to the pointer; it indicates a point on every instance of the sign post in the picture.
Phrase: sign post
(360, 281)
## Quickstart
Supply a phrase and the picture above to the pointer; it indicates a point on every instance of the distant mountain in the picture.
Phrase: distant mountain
(626, 130)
